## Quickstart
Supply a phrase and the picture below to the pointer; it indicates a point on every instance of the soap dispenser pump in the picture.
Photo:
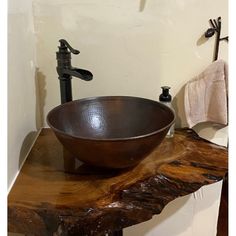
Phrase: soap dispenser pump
(165, 98)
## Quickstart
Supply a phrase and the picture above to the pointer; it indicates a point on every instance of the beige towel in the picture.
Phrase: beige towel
(206, 95)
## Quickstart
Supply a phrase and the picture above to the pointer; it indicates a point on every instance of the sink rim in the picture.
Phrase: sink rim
(109, 139)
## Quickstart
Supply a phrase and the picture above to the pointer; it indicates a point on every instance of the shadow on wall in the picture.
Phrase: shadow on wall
(26, 146)
(40, 95)
(203, 40)
(178, 105)
(142, 5)
(40, 91)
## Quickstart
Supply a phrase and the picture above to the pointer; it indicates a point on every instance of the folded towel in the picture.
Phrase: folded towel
(206, 96)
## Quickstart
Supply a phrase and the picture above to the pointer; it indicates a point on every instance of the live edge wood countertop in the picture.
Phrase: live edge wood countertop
(56, 195)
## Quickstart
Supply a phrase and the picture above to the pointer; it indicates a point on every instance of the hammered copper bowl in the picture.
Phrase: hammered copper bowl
(113, 131)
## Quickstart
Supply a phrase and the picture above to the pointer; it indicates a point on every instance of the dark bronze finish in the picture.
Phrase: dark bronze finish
(113, 131)
(45, 200)
(66, 71)
(216, 28)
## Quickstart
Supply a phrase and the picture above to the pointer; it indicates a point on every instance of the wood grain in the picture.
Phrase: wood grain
(55, 194)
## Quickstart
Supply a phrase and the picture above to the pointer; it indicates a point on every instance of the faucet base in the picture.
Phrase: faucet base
(66, 91)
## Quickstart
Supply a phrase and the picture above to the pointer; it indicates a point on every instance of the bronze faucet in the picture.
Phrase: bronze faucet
(66, 71)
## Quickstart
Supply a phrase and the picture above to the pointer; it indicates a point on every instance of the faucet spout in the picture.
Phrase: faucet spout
(79, 73)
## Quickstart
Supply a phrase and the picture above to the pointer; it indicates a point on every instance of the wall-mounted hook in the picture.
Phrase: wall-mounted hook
(215, 28)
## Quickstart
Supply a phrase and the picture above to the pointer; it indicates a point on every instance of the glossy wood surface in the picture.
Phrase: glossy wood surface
(55, 194)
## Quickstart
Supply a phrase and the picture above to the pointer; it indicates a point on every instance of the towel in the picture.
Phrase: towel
(206, 96)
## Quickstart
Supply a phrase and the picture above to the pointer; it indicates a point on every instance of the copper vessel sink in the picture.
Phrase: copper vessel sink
(112, 131)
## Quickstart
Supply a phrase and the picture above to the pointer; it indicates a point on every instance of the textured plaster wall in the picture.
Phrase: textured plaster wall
(23, 113)
(132, 47)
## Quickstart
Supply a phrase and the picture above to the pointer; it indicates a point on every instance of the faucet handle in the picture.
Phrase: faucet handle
(64, 45)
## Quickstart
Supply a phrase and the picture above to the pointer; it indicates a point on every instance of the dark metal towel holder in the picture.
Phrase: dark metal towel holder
(215, 28)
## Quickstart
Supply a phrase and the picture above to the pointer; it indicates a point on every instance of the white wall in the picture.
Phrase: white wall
(132, 47)
(21, 84)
